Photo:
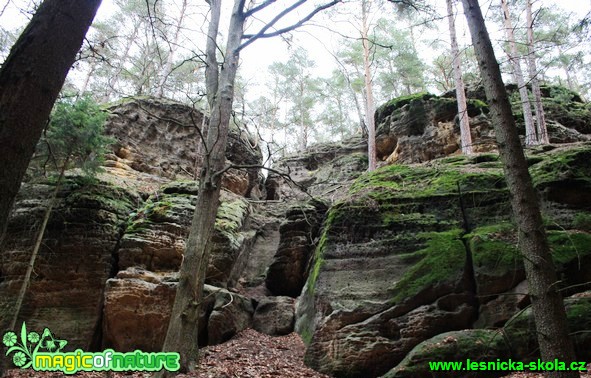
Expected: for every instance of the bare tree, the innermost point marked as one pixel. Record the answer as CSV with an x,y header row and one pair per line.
x,y
533,77
220,77
530,129
547,305
465,136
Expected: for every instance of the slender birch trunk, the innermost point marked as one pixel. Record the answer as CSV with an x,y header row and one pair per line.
x,y
465,136
531,137
369,107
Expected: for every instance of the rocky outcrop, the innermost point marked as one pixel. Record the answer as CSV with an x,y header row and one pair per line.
x,y
422,127
158,139
323,171
75,260
484,347
131,226
417,251
156,234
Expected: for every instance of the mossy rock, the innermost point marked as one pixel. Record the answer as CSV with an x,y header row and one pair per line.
x,y
477,345
398,181
498,263
565,165
440,264
521,333
397,103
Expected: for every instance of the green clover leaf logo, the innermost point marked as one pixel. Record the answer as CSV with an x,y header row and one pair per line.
x,y
19,359
9,339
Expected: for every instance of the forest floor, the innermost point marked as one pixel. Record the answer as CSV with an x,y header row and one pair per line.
x,y
248,355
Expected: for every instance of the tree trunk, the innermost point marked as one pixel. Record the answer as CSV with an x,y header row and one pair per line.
x,y
369,107
41,232
531,137
183,327
547,305
30,81
171,50
533,77
465,136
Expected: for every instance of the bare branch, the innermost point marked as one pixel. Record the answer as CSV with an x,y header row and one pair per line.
x,y
250,38
259,8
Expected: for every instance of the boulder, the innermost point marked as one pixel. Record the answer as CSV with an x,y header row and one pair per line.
x,y
137,300
480,346
274,316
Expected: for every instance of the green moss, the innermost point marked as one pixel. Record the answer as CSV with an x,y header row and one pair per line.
x,y
572,165
94,194
494,248
229,220
397,103
569,246
319,252
440,262
419,182
582,221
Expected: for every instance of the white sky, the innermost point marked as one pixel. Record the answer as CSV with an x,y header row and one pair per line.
x,y
260,54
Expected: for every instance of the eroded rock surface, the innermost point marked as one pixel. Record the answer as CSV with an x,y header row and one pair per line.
x,y
416,251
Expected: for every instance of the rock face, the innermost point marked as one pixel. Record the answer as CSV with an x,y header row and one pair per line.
x,y
161,139
75,259
416,251
106,270
288,271
422,127
324,171
137,300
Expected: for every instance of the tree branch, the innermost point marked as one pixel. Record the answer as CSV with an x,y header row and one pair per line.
x,y
258,8
250,38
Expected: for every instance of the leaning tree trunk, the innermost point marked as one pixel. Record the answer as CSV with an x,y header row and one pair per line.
x,y
465,136
30,81
548,308
369,102
182,331
533,77
531,137
36,247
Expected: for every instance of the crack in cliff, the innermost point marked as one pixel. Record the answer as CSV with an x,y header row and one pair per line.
x,y
469,276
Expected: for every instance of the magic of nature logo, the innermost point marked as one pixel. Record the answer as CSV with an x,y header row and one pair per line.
x,y
45,352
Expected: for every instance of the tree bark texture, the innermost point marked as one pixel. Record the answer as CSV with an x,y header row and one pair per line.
x,y
30,81
541,128
547,306
465,136
369,102
531,137
182,331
